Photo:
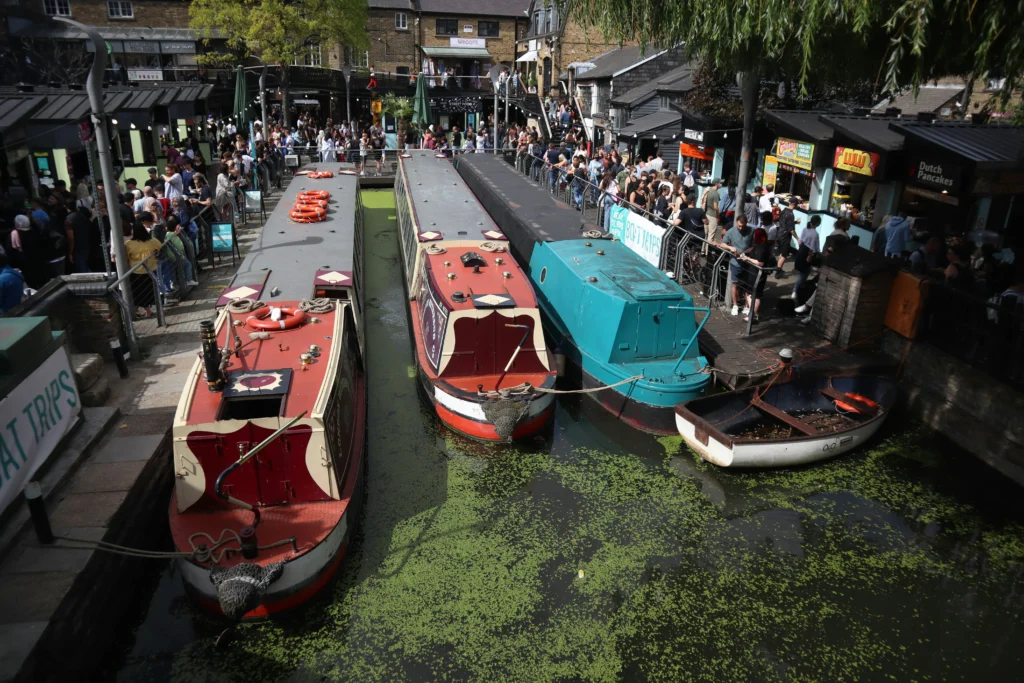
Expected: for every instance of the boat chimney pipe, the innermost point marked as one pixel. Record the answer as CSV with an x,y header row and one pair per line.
x,y
211,356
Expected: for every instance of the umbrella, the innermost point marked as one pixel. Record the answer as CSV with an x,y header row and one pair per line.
x,y
421,105
241,108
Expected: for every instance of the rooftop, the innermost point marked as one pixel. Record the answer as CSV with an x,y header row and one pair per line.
x,y
930,98
614,61
804,125
871,132
14,109
991,148
653,122
478,8
63,104
677,80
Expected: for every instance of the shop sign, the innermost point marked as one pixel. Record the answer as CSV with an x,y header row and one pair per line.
x,y
180,47
691,134
467,28
795,153
35,416
467,42
112,46
856,161
696,151
145,75
771,170
458,105
533,45
141,47
639,234
938,175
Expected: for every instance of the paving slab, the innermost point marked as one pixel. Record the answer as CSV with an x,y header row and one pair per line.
x,y
140,424
16,642
35,559
99,477
87,509
32,597
127,448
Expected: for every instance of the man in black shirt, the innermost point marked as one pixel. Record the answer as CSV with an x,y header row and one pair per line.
x,y
784,235
693,218
77,228
154,179
456,138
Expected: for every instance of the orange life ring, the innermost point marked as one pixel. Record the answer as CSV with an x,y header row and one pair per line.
x,y
291,318
307,203
314,194
319,174
863,399
311,214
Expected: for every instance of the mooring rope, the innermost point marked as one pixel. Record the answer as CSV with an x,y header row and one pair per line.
x,y
588,391
199,553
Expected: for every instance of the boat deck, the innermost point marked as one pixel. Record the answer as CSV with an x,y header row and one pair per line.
x,y
524,211
288,254
442,203
489,288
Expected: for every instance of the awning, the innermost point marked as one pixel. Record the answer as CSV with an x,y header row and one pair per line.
x,y
870,132
14,109
457,52
653,123
801,125
989,148
530,56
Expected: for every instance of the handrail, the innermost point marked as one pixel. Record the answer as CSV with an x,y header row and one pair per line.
x,y
695,309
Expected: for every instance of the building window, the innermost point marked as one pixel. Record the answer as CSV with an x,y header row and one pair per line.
x,y
363,59
311,57
401,21
402,70
488,29
120,9
57,8
447,27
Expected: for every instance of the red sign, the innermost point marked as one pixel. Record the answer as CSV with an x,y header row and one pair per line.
x,y
856,161
696,152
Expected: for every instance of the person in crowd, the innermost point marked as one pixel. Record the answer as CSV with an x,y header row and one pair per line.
x,y
766,202
760,256
187,175
925,259
142,248
663,205
693,218
727,207
709,202
154,178
807,253
12,285
609,197
958,273
27,251
77,230
739,240
784,235
224,196
162,200
769,227
839,238
898,236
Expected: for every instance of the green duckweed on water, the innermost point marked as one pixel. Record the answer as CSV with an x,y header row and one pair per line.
x,y
876,566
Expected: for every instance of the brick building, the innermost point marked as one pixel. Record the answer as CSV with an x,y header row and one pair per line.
x,y
555,43
392,27
469,38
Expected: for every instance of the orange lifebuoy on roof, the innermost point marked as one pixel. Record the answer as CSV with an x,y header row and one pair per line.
x,y
319,174
863,399
315,194
305,203
290,319
311,214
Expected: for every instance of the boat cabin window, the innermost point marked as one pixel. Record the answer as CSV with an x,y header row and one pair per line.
x,y
250,408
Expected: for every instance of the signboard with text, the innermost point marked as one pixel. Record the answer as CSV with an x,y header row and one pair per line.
x,y
937,175
35,416
639,234
856,161
692,151
795,153
771,170
467,42
145,75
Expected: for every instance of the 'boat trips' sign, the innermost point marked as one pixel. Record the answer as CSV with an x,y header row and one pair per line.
x,y
795,153
856,161
34,418
637,233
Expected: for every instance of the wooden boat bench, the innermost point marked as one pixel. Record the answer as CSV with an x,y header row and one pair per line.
x,y
794,422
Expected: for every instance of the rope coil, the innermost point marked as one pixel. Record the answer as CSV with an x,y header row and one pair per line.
x,y
320,305
492,247
239,306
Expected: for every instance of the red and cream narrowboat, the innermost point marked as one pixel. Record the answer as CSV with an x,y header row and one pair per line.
x,y
269,435
480,350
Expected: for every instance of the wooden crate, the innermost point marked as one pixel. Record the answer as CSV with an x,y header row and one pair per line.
x,y
852,300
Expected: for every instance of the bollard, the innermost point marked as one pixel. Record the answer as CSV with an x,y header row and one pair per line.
x,y
37,510
122,366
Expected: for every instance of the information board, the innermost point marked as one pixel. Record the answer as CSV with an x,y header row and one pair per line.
x,y
639,234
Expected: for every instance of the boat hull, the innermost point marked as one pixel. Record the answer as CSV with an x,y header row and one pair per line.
x,y
466,416
303,577
775,453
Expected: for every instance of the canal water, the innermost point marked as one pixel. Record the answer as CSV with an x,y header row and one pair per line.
x,y
601,554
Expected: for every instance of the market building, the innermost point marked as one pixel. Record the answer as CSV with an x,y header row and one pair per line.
x,y
392,27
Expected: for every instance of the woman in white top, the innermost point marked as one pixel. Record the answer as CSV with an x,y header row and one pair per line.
x,y
364,147
223,198
609,197
327,150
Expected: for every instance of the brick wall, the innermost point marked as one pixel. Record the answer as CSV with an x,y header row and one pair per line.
x,y
156,13
502,48
391,47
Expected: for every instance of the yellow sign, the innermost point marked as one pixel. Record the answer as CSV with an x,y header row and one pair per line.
x,y
856,161
795,153
771,170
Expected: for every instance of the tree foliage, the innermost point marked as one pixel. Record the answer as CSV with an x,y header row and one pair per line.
x,y
278,31
38,60
893,42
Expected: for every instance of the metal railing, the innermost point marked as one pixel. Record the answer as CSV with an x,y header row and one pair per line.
x,y
687,257
988,335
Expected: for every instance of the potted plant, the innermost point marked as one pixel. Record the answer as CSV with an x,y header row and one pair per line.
x,y
401,108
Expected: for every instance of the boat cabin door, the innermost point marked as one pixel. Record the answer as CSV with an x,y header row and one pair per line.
x,y
656,329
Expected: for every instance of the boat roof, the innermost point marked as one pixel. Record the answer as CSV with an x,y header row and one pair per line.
x,y
488,289
523,210
441,202
294,252
271,367
617,271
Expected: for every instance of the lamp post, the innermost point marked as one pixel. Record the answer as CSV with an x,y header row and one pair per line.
x,y
346,71
94,87
263,98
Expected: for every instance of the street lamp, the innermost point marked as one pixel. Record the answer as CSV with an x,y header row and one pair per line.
x,y
346,71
